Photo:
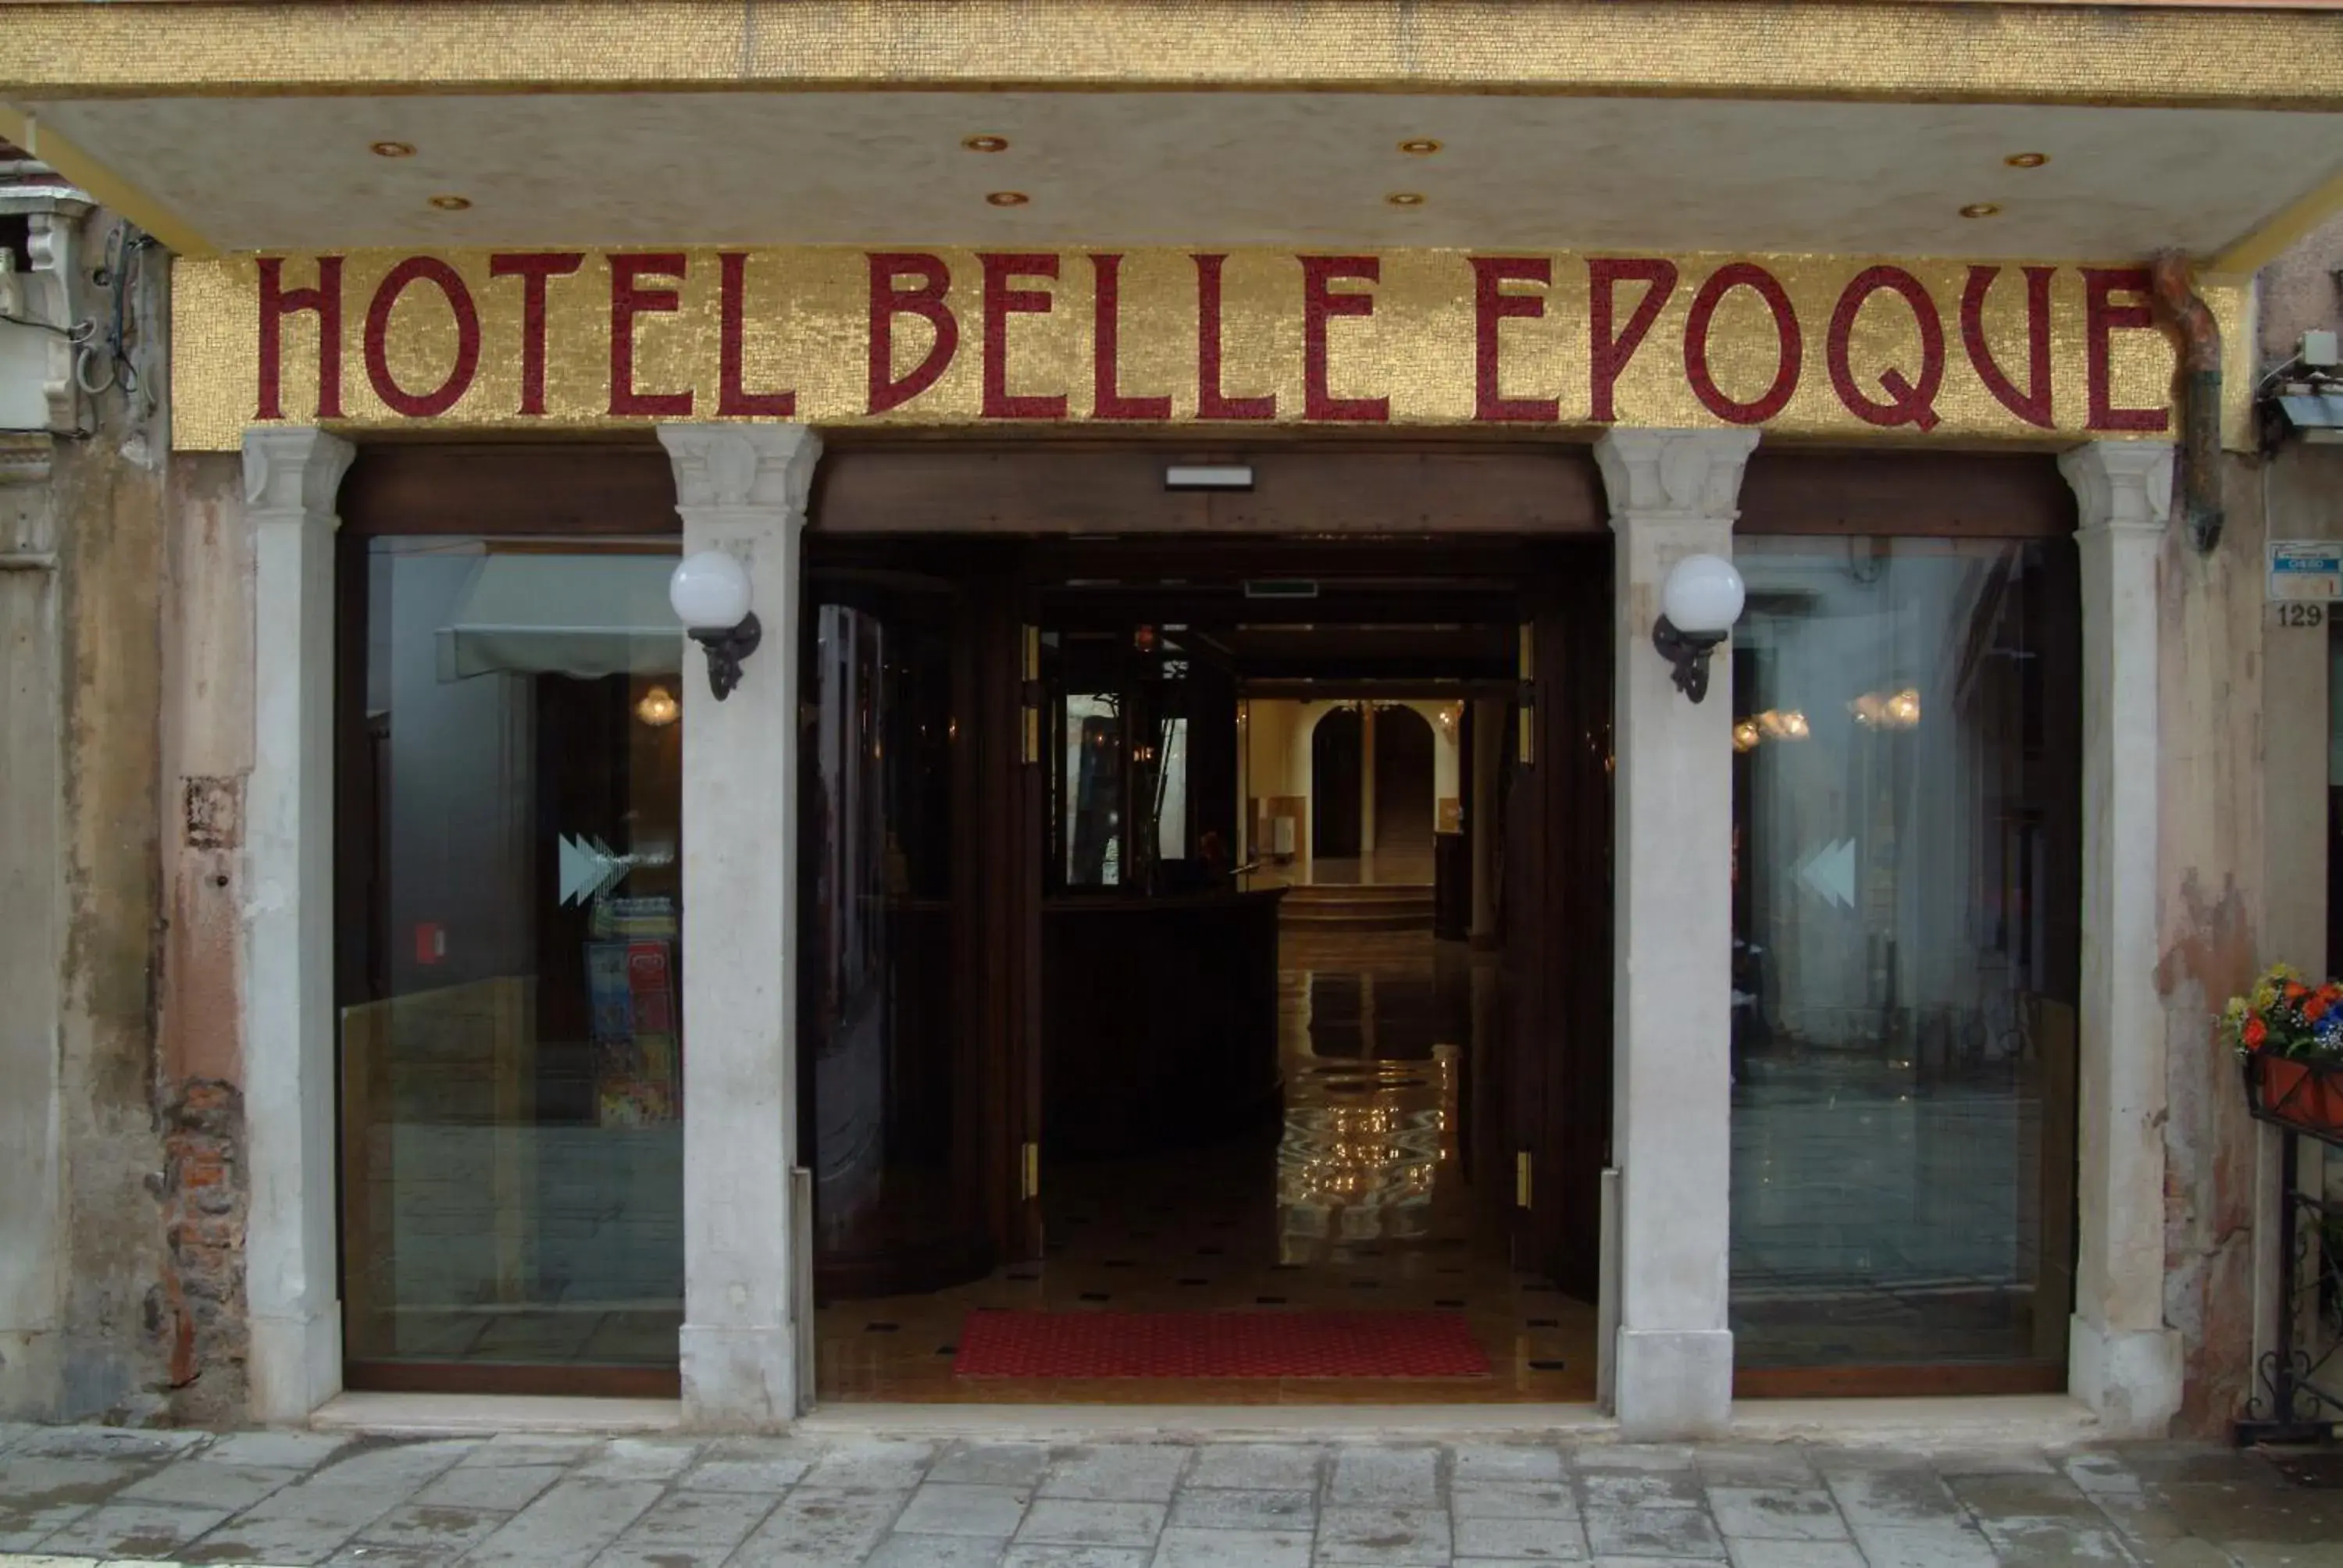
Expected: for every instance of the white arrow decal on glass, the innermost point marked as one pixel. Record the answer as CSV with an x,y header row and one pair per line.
x,y
589,868
1830,872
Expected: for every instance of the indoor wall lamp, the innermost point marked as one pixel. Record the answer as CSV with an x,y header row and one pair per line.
x,y
1698,605
709,592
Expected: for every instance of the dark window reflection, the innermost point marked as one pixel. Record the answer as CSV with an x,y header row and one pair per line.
x,y
1905,889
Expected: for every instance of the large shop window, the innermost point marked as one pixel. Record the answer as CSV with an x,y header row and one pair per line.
x,y
1905,904
512,1109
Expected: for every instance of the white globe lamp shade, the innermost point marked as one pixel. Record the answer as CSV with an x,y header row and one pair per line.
x,y
1702,596
709,592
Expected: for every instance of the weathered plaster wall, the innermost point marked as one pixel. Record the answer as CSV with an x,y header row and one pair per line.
x,y
108,493
2210,937
205,762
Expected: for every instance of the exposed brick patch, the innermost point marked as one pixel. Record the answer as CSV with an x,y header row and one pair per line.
x,y
204,1195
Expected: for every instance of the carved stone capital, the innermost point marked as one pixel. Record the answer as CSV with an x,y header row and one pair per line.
x,y
736,466
292,472
2120,486
1671,475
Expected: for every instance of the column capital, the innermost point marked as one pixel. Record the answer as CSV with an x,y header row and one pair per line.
x,y
2120,486
292,472
743,466
1668,476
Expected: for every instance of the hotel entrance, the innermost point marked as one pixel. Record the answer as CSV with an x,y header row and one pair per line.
x,y
1180,1014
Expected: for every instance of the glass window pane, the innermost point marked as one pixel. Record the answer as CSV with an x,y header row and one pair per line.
x,y
512,1062
1905,905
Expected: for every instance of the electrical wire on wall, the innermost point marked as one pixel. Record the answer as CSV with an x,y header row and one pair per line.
x,y
109,354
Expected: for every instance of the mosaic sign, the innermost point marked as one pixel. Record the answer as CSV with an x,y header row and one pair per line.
x,y
1801,345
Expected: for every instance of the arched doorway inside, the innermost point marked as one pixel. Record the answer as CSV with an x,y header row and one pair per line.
x,y
1337,758
1403,795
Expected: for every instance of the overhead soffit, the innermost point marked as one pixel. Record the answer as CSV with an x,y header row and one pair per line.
x,y
1850,125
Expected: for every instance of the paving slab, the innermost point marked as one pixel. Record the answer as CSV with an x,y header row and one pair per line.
x,y
817,1527
202,1482
1204,1508
419,1527
642,1459
1777,1513
709,1519
933,1552
1233,1549
1116,1472
1085,1522
1508,1462
962,1508
1059,1556
133,1530
1924,1546
1523,1540
1264,1466
883,1465
1511,1500
1385,1478
1647,1529
1747,1551
1384,1535
992,1463
572,1523
276,1450
500,1488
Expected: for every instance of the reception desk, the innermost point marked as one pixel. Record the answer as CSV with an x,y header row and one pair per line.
x,y
1159,1019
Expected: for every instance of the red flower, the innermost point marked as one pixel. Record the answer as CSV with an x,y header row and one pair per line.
x,y
2295,990
2256,1032
2314,1009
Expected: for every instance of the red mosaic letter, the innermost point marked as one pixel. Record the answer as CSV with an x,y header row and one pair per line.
x,y
1492,305
1107,401
1607,355
396,398
1907,403
926,301
1212,402
2102,317
1001,302
533,267
276,303
732,397
628,299
2033,405
1318,303
1746,274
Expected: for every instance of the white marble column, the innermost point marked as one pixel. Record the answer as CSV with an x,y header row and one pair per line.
x,y
2124,1361
741,488
1673,494
292,1287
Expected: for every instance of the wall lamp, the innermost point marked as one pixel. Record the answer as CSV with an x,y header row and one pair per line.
x,y
1698,605
709,592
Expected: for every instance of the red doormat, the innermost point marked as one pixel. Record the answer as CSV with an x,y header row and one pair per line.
x,y
1299,1344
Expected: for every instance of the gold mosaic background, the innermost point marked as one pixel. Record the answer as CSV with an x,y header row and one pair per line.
x,y
808,329
1823,48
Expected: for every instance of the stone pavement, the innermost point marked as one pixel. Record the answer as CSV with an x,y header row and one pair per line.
x,y
79,1496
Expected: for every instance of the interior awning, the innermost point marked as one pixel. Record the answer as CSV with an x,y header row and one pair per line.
x,y
579,616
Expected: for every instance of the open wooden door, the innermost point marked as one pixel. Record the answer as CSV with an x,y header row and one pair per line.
x,y
1557,903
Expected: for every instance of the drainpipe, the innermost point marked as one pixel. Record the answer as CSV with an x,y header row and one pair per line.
x,y
2199,395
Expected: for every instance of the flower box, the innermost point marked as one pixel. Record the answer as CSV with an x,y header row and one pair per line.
x,y
2288,1033
2303,1094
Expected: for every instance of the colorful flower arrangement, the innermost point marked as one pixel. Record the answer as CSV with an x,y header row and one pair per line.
x,y
2285,1016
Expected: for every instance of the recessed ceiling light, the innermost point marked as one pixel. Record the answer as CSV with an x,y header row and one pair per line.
x,y
986,143
1008,198
394,150
451,202
1419,146
2026,160
1405,198
1979,209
